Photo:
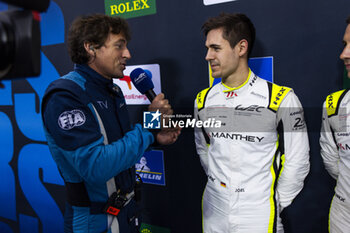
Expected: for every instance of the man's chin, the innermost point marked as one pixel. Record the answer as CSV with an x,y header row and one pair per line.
x,y
119,76
216,75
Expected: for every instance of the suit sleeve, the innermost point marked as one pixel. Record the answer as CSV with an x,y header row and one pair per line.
x,y
295,161
201,143
329,149
74,137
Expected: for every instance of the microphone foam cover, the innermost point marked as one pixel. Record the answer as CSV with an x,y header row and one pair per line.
x,y
141,80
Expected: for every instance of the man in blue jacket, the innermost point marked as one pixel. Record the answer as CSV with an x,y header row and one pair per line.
x,y
89,133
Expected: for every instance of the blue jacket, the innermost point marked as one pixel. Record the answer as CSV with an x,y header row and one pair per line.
x,y
94,145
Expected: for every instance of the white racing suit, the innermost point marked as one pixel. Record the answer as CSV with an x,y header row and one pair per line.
x,y
335,152
256,161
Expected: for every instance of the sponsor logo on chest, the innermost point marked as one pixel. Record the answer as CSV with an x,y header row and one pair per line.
x,y
251,108
103,104
258,95
235,136
230,95
343,146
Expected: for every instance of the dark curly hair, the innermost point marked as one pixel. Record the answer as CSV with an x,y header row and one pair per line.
x,y
93,29
235,28
348,20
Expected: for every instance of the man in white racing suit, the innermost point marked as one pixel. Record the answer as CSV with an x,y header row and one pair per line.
x,y
335,146
257,160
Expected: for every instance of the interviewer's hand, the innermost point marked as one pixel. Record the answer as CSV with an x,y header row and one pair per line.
x,y
2,85
161,104
168,136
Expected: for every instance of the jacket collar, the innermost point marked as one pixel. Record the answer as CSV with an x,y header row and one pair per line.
x,y
92,76
242,88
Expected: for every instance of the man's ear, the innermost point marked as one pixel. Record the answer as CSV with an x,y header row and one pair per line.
x,y
89,48
242,47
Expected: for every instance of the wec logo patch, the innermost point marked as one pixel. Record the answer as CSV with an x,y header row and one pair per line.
x,y
70,119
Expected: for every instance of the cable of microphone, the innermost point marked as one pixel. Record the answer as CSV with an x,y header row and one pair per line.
x,y
142,80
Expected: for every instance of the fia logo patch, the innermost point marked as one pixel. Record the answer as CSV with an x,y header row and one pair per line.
x,y
70,119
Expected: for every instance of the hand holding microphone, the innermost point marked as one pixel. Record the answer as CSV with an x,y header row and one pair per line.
x,y
142,80
161,104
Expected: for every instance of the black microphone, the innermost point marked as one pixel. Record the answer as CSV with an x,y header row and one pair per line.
x,y
142,80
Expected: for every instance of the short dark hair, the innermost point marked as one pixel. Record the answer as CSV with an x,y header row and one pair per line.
x,y
93,29
348,20
235,28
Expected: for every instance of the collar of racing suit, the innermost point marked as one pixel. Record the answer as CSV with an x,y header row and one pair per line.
x,y
92,76
240,88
